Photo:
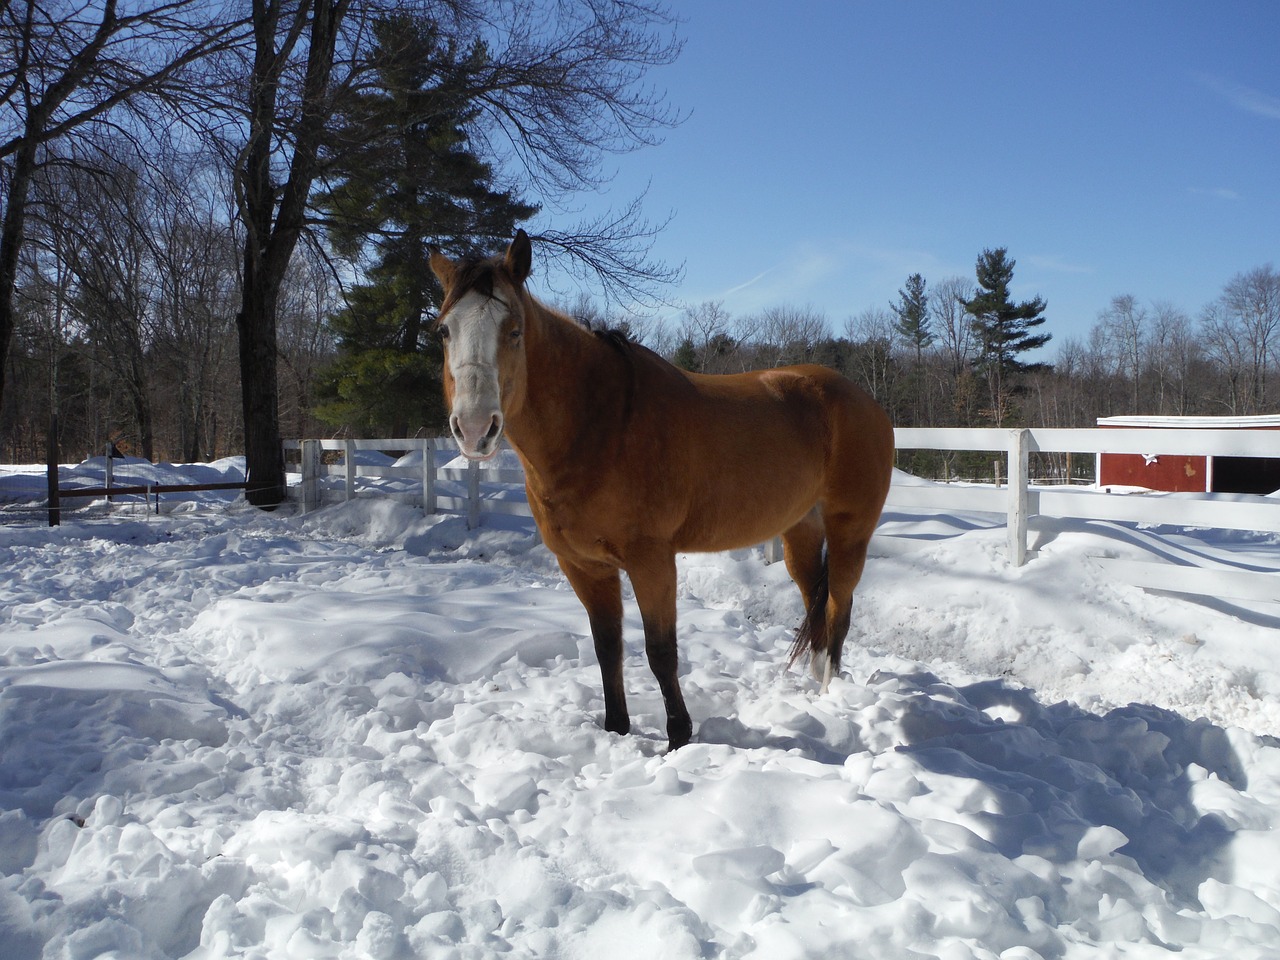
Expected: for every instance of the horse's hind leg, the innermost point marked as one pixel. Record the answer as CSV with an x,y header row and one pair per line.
x,y
847,545
802,550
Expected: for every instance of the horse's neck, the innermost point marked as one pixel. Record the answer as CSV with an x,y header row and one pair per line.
x,y
575,397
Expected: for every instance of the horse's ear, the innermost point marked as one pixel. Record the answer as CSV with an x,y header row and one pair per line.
x,y
443,268
519,258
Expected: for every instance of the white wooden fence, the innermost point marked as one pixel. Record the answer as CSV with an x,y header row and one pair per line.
x,y
1022,503
470,491
474,491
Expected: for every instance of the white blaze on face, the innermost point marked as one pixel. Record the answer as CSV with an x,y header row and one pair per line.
x,y
475,327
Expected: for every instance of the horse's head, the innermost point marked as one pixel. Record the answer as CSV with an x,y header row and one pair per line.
x,y
482,323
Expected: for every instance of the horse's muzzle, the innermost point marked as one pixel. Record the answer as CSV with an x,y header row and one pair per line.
x,y
477,435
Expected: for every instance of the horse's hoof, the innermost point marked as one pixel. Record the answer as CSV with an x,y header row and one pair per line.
x,y
679,735
622,727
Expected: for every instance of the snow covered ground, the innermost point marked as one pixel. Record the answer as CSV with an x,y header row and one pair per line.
x,y
363,733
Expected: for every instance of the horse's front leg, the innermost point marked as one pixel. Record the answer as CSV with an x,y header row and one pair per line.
x,y
600,590
652,570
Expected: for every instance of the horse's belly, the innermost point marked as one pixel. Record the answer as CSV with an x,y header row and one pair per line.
x,y
731,522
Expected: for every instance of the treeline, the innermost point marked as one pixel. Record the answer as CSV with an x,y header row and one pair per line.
x,y
140,344
939,354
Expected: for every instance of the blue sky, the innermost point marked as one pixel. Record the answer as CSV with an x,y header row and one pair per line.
x,y
833,148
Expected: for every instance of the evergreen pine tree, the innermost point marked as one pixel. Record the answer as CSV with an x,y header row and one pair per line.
x,y
411,184
912,324
1003,328
912,311
686,355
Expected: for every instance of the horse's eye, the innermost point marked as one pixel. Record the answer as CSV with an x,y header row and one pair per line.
x,y
444,331
515,334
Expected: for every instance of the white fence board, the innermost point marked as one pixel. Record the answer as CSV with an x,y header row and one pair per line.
x,y
949,496
1178,578
1258,514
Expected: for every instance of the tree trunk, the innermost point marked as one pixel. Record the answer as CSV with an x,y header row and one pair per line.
x,y
11,236
273,222
264,456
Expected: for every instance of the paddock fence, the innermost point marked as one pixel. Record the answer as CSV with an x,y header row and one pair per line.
x,y
111,491
411,469
1025,506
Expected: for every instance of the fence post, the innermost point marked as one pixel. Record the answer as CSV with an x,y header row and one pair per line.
x,y
310,467
349,460
1019,448
428,476
110,474
473,494
52,457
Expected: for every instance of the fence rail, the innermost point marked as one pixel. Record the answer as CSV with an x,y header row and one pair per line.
x,y
474,491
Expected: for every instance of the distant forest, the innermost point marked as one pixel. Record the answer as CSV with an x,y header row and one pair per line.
x,y
216,220
166,376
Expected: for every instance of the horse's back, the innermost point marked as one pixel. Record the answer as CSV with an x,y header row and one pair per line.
x,y
811,403
758,450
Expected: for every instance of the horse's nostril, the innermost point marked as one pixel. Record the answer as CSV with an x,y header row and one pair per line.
x,y
495,427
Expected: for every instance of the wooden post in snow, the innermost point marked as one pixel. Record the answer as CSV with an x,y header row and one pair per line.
x,y
52,457
428,476
109,474
349,461
473,494
310,475
1019,448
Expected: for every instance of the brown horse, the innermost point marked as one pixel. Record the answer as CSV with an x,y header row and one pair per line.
x,y
630,460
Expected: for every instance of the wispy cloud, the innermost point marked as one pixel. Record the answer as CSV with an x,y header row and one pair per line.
x,y
838,275
748,283
1217,193
1242,97
1054,264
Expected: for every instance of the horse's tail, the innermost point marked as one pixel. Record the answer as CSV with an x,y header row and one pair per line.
x,y
811,637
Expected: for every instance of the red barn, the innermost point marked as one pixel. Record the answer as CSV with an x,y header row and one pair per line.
x,y
1191,474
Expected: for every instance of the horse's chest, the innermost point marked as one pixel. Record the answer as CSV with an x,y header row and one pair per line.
x,y
580,527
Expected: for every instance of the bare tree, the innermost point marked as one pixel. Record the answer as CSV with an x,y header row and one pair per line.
x,y
1172,352
67,68
784,335
874,338
951,323
194,254
116,283
704,331
1250,303
308,295
563,88
1123,325
1227,348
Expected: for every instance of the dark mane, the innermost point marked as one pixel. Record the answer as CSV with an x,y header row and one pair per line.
x,y
618,339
